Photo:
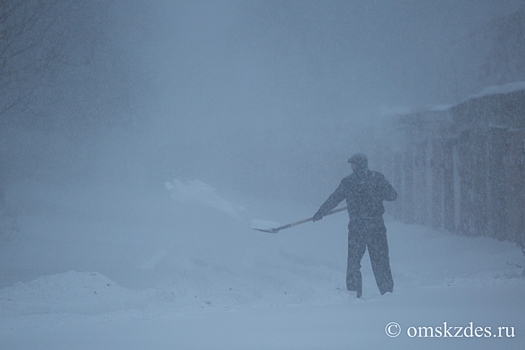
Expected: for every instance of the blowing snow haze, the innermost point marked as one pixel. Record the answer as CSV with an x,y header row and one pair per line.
x,y
140,139
261,96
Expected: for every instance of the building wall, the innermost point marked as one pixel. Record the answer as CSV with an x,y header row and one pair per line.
x,y
463,169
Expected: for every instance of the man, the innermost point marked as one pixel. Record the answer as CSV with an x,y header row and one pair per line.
x,y
364,191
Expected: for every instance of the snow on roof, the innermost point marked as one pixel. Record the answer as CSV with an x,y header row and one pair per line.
x,y
490,90
500,89
395,111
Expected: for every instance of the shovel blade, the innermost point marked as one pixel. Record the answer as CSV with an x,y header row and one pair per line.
x,y
265,226
273,230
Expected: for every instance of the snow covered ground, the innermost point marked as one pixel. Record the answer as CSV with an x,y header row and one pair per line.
x,y
180,268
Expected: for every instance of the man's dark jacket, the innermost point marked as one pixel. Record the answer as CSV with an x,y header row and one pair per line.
x,y
364,192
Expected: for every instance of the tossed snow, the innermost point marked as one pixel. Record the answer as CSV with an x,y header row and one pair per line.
x,y
200,192
135,270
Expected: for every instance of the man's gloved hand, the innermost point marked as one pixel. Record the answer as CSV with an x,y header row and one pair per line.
x,y
318,216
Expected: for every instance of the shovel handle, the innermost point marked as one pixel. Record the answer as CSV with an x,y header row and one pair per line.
x,y
275,230
311,219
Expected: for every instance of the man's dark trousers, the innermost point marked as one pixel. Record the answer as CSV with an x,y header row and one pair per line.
x,y
368,233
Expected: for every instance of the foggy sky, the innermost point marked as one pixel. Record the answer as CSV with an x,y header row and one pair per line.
x,y
231,64
271,90
265,95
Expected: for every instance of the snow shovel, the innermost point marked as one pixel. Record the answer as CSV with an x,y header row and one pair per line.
x,y
266,226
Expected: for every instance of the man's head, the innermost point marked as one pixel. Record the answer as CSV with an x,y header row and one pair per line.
x,y
359,162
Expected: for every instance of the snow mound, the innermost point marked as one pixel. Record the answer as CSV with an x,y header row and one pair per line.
x,y
199,192
70,292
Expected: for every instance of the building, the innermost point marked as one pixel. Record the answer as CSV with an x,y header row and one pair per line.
x,y
462,167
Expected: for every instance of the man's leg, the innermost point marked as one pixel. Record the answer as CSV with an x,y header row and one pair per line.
x,y
356,250
379,257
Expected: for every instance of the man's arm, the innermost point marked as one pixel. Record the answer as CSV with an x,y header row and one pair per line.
x,y
333,200
389,194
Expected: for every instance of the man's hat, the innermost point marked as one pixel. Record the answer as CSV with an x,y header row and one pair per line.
x,y
360,160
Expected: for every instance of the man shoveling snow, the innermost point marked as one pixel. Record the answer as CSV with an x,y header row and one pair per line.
x,y
364,191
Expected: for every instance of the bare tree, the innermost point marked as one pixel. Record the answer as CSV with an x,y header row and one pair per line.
x,y
495,52
26,50
492,54
503,42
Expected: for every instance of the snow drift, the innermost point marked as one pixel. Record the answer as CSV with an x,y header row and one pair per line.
x,y
125,256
